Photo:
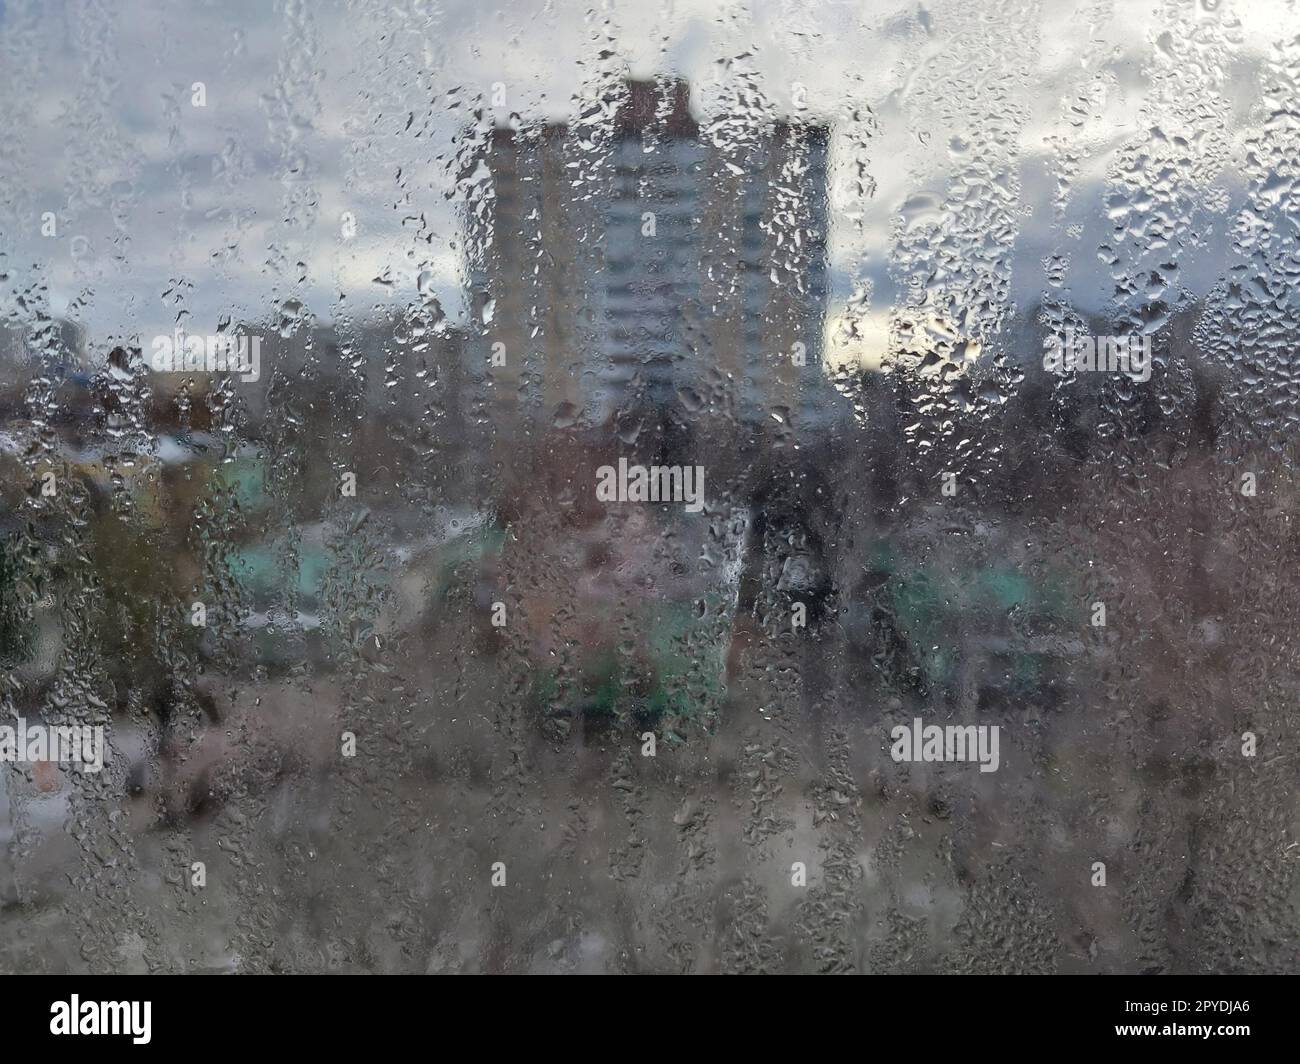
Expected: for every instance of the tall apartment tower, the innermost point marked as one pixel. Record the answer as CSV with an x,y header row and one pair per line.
x,y
641,260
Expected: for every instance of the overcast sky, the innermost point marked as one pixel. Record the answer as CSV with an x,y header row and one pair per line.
x,y
319,109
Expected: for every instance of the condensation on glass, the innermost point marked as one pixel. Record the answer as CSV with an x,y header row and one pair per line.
x,y
759,487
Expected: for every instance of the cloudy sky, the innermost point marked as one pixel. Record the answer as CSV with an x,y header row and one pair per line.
x,y
1000,149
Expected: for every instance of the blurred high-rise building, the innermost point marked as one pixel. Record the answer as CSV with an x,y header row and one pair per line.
x,y
641,259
